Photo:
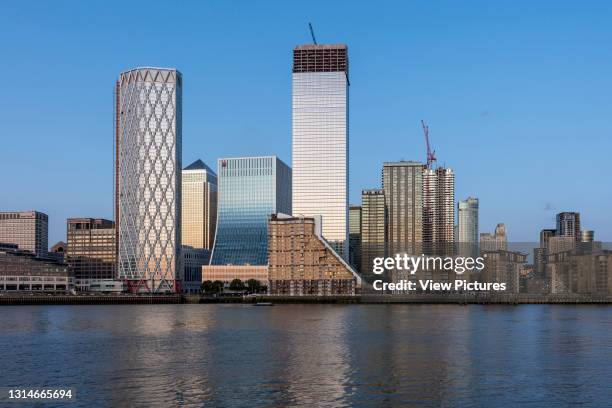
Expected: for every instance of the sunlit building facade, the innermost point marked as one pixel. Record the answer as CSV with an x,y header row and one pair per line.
x,y
321,139
403,194
250,190
91,251
373,229
438,211
467,229
199,205
148,178
29,230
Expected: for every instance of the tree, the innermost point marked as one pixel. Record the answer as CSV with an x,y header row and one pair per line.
x,y
253,286
236,285
207,286
212,287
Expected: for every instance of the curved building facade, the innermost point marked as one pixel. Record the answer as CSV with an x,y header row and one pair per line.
x,y
148,178
250,189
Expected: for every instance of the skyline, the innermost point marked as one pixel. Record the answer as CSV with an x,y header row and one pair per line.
x,y
551,104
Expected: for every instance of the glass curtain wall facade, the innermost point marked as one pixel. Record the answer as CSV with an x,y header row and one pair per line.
x,y
250,190
467,227
148,178
199,206
321,139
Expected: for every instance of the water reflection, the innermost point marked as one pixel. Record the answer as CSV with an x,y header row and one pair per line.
x,y
312,355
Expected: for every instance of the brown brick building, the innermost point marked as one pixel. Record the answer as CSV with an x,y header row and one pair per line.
x,y
301,261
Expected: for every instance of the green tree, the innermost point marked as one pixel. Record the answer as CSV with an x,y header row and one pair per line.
x,y
218,286
207,286
253,286
236,284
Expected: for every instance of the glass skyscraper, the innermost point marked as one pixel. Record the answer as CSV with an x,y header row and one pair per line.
x,y
250,190
148,178
467,227
320,139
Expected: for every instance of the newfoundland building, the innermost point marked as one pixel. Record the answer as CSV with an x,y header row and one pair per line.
x,y
302,262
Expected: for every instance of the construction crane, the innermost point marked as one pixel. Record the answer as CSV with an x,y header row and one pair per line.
x,y
314,40
431,154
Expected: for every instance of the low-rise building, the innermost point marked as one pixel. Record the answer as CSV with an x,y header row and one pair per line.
x,y
193,260
23,271
503,267
227,273
580,271
302,262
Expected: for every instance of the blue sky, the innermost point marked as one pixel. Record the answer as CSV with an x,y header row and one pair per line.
x,y
517,95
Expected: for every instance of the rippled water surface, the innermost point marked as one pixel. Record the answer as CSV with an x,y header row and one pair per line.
x,y
312,355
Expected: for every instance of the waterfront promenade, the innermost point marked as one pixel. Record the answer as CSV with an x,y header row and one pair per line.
x,y
421,298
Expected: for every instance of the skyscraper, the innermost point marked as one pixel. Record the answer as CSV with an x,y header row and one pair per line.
x,y
29,230
373,229
199,206
355,236
568,224
467,231
148,178
321,138
438,210
403,195
250,190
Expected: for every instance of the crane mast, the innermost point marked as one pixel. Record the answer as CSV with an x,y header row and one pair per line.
x,y
431,154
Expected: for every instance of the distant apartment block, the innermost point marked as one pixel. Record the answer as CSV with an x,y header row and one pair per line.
x,y
502,266
355,236
467,227
496,241
199,206
302,262
91,251
439,210
568,224
403,194
29,230
373,229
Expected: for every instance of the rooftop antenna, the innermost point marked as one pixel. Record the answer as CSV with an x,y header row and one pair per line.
x,y
314,40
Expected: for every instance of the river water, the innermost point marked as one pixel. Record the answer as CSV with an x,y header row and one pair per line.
x,y
312,355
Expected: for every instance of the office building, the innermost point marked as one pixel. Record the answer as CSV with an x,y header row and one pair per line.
x,y
568,224
148,178
373,229
467,227
496,241
250,190
199,206
91,251
355,236
227,273
403,194
438,211
23,271
193,260
29,230
302,262
321,139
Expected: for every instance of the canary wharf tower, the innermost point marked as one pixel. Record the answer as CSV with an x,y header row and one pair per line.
x,y
148,178
320,139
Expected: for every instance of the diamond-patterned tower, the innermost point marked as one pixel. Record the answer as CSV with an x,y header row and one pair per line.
x,y
148,178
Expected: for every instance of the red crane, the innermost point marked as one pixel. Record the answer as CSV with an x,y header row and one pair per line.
x,y
431,154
